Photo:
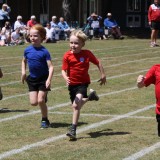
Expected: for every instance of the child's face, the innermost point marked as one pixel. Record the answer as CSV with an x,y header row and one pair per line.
x,y
76,44
35,37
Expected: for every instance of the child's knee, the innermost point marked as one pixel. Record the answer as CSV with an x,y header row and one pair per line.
x,y
41,101
34,103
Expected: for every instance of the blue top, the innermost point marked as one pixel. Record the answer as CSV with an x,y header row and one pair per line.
x,y
37,60
4,15
109,22
63,25
54,25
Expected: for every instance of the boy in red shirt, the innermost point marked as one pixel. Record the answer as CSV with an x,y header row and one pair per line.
x,y
154,21
152,77
75,72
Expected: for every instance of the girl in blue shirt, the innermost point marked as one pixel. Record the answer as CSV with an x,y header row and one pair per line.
x,y
41,71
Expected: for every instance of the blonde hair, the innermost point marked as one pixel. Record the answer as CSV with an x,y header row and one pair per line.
x,y
41,30
79,34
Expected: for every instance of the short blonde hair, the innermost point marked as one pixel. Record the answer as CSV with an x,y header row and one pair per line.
x,y
41,30
79,34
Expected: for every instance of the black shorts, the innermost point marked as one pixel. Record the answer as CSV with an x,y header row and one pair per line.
x,y
37,84
75,89
158,117
155,25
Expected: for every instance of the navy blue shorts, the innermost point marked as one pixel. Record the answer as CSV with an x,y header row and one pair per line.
x,y
75,89
37,84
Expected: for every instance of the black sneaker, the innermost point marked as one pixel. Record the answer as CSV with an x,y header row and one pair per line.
x,y
93,96
45,124
71,134
1,95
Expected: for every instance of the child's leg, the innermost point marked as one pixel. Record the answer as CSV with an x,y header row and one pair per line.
x,y
77,104
42,103
33,96
158,121
44,110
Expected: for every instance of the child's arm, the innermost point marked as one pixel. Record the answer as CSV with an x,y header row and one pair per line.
x,y
140,81
103,76
64,74
51,71
1,73
23,76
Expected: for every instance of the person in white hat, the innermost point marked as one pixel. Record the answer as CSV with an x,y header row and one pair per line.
x,y
113,27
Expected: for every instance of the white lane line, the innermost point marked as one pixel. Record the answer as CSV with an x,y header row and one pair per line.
x,y
143,152
114,65
116,76
62,105
100,115
83,129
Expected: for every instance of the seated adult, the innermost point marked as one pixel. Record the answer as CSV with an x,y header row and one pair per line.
x,y
49,33
94,22
6,34
23,28
54,25
4,14
65,29
112,25
16,37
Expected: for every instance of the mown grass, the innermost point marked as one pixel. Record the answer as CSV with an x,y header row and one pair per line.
x,y
123,61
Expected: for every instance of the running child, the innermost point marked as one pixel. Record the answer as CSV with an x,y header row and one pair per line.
x,y
75,72
40,71
152,77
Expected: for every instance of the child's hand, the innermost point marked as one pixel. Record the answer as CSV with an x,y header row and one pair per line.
x,y
140,81
23,78
102,80
67,80
48,83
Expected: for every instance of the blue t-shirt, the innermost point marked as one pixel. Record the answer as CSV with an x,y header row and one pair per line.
x,y
37,61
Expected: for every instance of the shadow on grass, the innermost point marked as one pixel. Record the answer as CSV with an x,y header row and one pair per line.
x,y
59,125
6,110
108,132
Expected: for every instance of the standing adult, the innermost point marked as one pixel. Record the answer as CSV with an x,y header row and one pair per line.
x,y
4,14
154,21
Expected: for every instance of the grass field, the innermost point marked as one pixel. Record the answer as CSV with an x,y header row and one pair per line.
x,y
121,125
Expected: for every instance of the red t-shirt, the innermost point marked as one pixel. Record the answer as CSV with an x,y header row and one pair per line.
x,y
153,77
77,66
31,23
154,13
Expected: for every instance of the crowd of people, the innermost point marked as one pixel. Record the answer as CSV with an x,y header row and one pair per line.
x,y
18,32
97,27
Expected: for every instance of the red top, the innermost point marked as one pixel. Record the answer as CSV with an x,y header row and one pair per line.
x,y
31,23
77,66
154,13
153,77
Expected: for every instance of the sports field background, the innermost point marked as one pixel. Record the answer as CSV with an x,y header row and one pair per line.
x,y
121,125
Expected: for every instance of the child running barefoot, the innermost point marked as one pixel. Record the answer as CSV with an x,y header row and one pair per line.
x,y
41,71
152,77
75,72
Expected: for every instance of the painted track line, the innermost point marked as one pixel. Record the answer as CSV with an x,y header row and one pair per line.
x,y
53,139
62,105
143,152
